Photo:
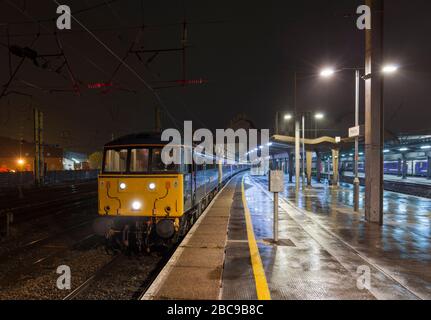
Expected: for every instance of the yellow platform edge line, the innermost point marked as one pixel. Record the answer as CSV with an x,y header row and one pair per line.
x,y
262,288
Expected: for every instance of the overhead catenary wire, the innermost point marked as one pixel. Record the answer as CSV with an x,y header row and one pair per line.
x,y
113,29
87,30
156,95
54,34
15,72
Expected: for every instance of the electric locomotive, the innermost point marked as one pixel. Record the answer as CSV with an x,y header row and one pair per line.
x,y
143,202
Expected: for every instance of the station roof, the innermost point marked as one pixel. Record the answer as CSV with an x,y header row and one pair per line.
x,y
403,144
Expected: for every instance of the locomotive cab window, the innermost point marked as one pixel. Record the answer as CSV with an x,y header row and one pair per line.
x,y
139,160
115,161
157,164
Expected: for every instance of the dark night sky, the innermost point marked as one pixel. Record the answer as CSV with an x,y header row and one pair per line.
x,y
248,57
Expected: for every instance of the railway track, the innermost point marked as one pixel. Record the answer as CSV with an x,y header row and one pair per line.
x,y
55,207
41,241
107,282
14,275
122,278
37,278
38,227
95,274
81,289
35,218
29,206
33,197
61,227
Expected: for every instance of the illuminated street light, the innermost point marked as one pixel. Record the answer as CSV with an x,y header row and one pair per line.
x,y
288,117
403,149
386,151
426,147
20,162
390,68
327,72
319,116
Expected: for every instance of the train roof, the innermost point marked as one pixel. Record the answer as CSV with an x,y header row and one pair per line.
x,y
137,139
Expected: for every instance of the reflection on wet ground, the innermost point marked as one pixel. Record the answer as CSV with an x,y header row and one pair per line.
x,y
399,251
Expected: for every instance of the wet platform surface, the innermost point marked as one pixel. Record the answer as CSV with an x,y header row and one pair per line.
x,y
326,251
195,270
296,268
399,252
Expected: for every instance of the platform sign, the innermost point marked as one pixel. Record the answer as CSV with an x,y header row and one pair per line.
x,y
276,185
276,181
356,132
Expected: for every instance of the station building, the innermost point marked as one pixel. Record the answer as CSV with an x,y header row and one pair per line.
x,y
16,155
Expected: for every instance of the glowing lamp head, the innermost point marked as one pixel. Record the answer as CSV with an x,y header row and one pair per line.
x,y
390,68
328,72
152,186
288,117
136,205
319,116
123,186
20,162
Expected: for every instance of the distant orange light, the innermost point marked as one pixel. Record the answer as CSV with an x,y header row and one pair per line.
x,y
20,161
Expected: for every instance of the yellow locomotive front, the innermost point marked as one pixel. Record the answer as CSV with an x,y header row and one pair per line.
x,y
140,198
158,196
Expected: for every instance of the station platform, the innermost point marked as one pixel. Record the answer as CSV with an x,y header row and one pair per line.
x,y
325,250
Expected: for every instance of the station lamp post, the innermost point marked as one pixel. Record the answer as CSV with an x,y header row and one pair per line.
x,y
317,117
288,117
326,73
284,117
21,163
329,72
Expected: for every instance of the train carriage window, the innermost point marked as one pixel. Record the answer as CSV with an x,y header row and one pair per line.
x,y
139,160
116,161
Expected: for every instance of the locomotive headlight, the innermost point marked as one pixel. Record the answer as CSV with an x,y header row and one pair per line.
x,y
136,205
123,186
152,186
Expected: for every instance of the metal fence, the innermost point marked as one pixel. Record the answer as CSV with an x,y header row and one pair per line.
x,y
8,180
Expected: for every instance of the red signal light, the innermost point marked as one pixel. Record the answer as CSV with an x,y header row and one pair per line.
x,y
99,85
